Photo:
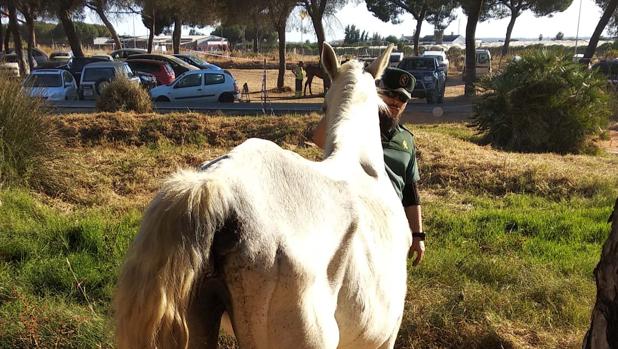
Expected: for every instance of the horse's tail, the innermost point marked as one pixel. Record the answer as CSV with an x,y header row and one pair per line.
x,y
167,257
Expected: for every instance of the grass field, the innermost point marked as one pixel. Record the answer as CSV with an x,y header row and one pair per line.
x,y
513,238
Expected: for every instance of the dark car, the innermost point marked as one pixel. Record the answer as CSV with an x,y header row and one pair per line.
x,y
76,64
196,61
38,55
430,78
610,70
177,64
127,52
162,71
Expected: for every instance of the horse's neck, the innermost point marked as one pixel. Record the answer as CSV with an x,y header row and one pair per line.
x,y
354,141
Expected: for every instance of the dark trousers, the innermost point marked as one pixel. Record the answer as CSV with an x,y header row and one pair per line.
x,y
299,88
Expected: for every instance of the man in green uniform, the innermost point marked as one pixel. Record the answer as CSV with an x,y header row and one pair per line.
x,y
299,73
395,89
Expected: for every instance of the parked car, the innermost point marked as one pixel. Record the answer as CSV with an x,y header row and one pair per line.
x,y
178,65
39,55
199,85
162,71
196,61
395,59
95,76
51,84
146,80
104,57
9,64
76,64
127,52
441,57
610,70
61,55
430,78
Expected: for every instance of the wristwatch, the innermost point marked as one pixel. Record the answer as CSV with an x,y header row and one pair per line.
x,y
420,235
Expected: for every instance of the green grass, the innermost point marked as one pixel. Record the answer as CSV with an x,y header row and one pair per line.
x,y
507,265
58,271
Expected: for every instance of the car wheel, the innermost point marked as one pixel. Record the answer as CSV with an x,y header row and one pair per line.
x,y
101,85
226,97
162,99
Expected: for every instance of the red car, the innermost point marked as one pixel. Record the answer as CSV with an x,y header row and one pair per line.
x,y
161,70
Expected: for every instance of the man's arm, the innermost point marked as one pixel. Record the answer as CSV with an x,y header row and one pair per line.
x,y
415,220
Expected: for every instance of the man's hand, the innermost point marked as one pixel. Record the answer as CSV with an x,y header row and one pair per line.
x,y
418,247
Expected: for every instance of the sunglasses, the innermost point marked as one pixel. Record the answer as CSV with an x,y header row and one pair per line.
x,y
394,94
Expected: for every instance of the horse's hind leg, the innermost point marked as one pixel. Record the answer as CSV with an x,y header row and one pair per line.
x,y
205,311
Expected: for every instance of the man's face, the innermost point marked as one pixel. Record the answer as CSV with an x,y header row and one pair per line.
x,y
395,105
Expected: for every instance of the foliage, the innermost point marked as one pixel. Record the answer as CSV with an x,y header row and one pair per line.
x,y
27,140
560,36
87,32
542,103
122,95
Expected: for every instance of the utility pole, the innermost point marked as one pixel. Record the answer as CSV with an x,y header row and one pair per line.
x,y
577,32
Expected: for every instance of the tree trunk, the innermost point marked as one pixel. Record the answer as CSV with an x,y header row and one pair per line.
x,y
594,39
30,27
1,29
281,75
7,38
470,76
152,31
109,26
177,35
509,31
603,332
417,35
13,27
72,36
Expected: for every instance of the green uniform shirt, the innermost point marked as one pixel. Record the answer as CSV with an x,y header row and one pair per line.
x,y
300,74
400,161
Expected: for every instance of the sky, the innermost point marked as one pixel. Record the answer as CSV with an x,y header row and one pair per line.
x,y
527,25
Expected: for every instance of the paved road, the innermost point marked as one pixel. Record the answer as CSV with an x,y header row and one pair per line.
x,y
418,113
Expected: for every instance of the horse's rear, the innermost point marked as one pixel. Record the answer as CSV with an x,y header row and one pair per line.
x,y
300,254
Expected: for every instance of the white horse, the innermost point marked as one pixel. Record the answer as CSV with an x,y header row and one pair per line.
x,y
300,254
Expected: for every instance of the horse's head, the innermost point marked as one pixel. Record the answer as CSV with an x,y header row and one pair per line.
x,y
351,108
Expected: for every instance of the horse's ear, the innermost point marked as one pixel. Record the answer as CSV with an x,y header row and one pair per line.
x,y
329,60
376,68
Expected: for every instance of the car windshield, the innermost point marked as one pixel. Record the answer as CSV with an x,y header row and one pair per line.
x,y
418,64
197,60
96,74
43,80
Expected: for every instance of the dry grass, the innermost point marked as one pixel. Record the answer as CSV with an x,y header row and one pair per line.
x,y
121,158
449,163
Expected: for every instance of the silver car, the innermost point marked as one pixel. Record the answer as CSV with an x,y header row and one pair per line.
x,y
95,76
51,84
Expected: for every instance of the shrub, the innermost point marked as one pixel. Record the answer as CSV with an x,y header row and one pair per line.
x,y
122,95
542,103
27,139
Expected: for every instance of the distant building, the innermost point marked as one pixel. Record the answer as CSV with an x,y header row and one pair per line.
x,y
164,43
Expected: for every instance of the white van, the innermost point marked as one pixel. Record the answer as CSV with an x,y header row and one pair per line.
x,y
483,62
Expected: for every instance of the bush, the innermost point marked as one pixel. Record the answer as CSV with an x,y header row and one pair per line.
x,y
27,139
542,103
122,95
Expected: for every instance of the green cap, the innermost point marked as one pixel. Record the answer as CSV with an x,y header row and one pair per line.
x,y
398,80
